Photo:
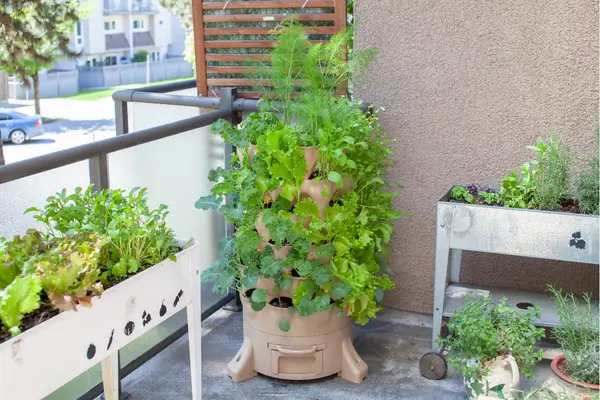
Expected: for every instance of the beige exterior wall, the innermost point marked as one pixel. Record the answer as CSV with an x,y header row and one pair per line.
x,y
466,86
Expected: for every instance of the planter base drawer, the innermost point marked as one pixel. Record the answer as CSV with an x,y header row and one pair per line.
x,y
297,362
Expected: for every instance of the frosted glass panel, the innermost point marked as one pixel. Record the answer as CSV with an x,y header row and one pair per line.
x,y
17,196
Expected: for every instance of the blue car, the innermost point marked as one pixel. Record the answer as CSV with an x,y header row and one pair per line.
x,y
17,128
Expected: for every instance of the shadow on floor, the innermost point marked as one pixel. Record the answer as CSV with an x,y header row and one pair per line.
x,y
391,345
390,348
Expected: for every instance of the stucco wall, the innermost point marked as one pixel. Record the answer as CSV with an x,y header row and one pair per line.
x,y
467,85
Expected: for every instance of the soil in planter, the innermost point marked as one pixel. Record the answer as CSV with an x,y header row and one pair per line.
x,y
294,274
282,302
567,205
46,311
285,243
336,202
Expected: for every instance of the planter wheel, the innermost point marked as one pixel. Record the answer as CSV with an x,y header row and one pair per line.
x,y
433,365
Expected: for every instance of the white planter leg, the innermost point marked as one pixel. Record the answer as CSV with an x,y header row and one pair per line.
x,y
194,317
110,377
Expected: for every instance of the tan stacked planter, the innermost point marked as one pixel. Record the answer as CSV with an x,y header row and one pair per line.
x,y
316,346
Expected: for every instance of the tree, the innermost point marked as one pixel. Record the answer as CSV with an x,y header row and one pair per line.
x,y
34,33
183,8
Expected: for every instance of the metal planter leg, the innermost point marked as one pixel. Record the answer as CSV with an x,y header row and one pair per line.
x,y
442,253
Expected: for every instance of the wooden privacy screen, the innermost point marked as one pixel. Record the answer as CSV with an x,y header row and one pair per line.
x,y
231,36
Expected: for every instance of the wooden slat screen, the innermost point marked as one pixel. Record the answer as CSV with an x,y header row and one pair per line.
x,y
231,35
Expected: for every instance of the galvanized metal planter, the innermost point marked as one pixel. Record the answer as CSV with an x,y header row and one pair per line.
x,y
520,232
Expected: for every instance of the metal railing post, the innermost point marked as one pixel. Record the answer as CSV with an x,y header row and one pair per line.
x,y
99,172
228,96
121,117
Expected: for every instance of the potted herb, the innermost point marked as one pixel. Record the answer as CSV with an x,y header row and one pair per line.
x,y
313,215
578,369
491,343
105,269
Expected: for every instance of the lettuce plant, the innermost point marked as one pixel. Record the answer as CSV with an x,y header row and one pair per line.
x,y
92,239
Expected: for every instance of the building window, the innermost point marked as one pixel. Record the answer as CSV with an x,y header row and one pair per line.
x,y
110,60
110,26
138,24
78,33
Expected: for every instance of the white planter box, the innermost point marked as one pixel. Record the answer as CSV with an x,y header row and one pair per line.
x,y
42,359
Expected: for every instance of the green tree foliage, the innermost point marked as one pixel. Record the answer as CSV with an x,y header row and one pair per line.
x,y
34,33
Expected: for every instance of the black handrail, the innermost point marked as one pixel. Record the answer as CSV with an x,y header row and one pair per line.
x,y
47,162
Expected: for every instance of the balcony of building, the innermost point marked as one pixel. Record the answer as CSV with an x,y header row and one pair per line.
x,y
123,7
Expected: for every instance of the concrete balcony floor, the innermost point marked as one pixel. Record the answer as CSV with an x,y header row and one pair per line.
x,y
391,345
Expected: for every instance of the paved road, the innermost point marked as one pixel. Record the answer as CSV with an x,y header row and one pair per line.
x,y
74,123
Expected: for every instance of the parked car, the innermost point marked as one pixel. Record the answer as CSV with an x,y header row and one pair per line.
x,y
17,128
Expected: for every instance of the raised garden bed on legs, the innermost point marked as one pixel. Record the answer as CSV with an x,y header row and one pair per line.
x,y
520,232
42,359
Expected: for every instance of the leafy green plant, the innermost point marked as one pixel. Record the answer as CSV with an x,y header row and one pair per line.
x,y
69,272
461,193
552,181
136,236
518,191
16,255
140,56
588,188
20,297
577,335
587,184
91,239
482,330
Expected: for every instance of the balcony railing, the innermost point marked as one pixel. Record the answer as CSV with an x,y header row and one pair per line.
x,y
116,6
122,6
168,152
143,6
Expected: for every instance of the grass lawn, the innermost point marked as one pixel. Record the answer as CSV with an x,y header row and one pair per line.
x,y
95,94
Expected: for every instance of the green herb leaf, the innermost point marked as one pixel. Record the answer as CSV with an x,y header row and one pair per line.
x,y
341,290
259,296
22,296
336,178
284,324
286,284
209,202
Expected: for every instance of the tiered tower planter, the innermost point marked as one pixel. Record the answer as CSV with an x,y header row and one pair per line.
x,y
315,346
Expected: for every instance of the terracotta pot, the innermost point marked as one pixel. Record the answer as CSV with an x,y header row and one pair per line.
x,y
502,371
249,152
312,255
281,253
316,346
569,385
269,284
348,185
262,229
314,190
311,156
305,223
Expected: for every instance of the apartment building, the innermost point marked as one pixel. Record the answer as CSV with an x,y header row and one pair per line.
x,y
117,29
